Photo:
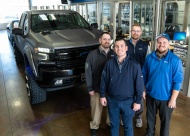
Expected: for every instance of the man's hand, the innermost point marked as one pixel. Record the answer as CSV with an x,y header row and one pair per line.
x,y
103,101
92,92
172,103
144,95
136,106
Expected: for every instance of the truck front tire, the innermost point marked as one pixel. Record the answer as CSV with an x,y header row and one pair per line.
x,y
35,93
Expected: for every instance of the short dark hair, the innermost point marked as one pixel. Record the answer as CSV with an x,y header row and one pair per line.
x,y
120,39
105,33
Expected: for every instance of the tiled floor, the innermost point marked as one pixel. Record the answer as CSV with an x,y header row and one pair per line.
x,y
64,113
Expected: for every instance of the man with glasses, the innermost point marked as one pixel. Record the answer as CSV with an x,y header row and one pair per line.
x,y
138,50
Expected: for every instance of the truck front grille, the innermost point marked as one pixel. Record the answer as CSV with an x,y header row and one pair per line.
x,y
71,64
72,57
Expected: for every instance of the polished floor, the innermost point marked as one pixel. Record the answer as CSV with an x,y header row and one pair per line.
x,y
64,113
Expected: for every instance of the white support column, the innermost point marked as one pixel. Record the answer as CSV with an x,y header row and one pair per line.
x,y
131,16
157,17
114,20
186,81
186,16
98,12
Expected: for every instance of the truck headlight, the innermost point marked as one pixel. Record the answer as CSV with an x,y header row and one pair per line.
x,y
42,56
43,50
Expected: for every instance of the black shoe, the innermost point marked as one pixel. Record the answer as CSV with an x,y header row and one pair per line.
x,y
93,132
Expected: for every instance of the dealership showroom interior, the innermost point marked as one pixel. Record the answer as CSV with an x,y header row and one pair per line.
x,y
43,52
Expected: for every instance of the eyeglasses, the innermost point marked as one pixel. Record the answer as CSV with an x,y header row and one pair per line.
x,y
135,31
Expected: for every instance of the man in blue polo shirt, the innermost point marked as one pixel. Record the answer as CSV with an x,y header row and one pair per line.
x,y
163,75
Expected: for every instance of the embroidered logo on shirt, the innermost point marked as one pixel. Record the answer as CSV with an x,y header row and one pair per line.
x,y
165,62
140,49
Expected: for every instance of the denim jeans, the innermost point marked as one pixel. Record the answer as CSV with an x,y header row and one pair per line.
x,y
117,108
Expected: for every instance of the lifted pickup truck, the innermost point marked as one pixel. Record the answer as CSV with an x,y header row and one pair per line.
x,y
53,44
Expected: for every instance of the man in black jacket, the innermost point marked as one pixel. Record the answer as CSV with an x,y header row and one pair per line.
x,y
121,88
138,50
93,70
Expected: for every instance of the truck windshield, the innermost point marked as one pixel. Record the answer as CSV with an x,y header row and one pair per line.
x,y
57,21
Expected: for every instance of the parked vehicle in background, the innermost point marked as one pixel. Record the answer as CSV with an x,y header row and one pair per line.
x,y
10,26
54,45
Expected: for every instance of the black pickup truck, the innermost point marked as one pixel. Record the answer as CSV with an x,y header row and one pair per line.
x,y
53,45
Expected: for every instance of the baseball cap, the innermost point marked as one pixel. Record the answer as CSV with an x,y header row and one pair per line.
x,y
164,35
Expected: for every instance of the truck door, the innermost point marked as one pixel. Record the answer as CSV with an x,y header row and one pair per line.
x,y
20,38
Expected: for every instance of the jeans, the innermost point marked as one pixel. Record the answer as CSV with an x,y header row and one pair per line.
x,y
117,108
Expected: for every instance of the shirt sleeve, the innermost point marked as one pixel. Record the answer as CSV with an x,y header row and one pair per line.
x,y
139,85
177,75
103,84
88,73
144,72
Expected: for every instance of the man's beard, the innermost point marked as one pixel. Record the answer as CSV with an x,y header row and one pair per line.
x,y
161,52
135,38
106,46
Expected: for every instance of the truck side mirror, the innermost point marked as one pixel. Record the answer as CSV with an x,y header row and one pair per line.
x,y
17,31
94,25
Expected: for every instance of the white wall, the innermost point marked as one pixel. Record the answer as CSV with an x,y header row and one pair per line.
x,y
45,2
11,9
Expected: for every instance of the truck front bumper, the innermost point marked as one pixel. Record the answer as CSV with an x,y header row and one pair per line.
x,y
52,79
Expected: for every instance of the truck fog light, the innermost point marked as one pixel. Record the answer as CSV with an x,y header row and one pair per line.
x,y
58,82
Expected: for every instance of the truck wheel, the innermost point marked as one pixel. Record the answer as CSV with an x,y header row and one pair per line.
x,y
18,55
35,93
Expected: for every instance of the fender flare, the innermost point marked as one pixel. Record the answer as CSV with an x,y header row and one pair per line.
x,y
29,60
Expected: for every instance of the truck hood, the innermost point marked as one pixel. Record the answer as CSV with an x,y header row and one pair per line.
x,y
68,38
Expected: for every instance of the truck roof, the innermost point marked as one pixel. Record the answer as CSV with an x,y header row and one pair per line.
x,y
49,11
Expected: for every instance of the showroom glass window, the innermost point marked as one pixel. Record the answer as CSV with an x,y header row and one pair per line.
x,y
12,9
